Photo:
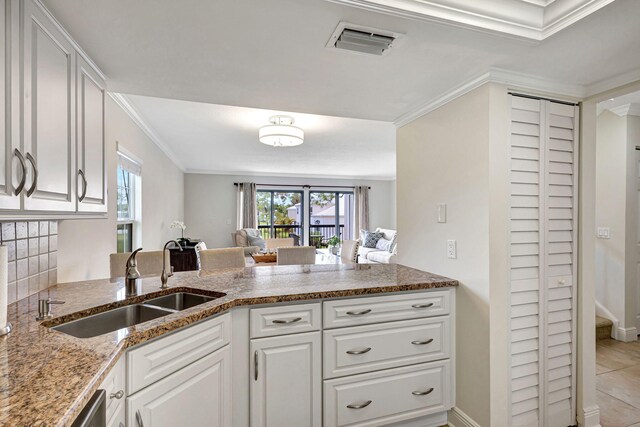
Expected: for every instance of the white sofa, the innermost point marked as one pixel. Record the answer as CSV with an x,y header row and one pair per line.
x,y
377,256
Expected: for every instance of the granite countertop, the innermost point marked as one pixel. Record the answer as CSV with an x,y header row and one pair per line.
x,y
48,376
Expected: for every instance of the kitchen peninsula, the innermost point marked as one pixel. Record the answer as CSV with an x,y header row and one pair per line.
x,y
253,309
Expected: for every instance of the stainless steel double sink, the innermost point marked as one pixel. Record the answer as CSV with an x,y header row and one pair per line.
x,y
129,315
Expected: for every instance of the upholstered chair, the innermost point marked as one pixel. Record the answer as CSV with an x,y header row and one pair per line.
x,y
296,255
214,259
349,251
279,243
149,263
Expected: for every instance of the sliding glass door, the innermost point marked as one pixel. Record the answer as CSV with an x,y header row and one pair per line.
x,y
280,213
330,214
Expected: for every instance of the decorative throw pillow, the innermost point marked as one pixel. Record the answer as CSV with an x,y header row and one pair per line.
x,y
370,238
392,244
383,244
253,232
257,241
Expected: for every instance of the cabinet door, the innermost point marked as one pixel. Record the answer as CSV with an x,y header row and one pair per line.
x,y
198,395
286,383
49,113
91,171
10,136
118,419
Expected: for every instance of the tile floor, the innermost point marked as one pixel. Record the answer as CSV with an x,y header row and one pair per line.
x,y
618,383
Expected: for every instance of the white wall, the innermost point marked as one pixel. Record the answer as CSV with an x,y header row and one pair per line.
x,y
210,203
443,157
616,202
84,245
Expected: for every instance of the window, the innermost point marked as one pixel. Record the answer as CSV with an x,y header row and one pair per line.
x,y
280,213
127,200
330,214
319,215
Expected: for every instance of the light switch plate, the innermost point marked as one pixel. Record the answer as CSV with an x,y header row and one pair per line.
x,y
442,212
603,233
452,250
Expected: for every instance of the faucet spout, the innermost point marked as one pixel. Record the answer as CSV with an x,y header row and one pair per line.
x,y
164,277
132,274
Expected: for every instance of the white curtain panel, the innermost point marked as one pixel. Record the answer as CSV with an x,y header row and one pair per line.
x,y
361,210
246,205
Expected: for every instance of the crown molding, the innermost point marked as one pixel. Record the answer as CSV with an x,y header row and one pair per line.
x,y
626,110
443,99
289,175
613,83
513,80
75,45
526,19
578,11
123,102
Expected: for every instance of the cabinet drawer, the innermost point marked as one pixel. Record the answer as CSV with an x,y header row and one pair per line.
x,y
288,319
368,348
114,385
361,311
153,361
388,396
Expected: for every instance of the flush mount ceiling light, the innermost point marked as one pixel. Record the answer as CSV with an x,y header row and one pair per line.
x,y
281,132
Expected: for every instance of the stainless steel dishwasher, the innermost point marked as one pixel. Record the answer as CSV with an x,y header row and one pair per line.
x,y
94,413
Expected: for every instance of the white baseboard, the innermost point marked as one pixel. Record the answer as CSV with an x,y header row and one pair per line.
x,y
457,418
625,334
433,420
590,417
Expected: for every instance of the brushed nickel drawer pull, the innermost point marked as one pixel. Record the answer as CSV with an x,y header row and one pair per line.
x,y
255,366
287,321
117,395
366,350
84,185
429,341
359,313
35,174
430,304
23,165
360,406
139,419
422,393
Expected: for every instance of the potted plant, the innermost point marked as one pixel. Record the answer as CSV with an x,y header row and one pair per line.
x,y
182,227
333,243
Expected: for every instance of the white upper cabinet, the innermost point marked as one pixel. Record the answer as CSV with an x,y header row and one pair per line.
x,y
49,115
8,198
91,175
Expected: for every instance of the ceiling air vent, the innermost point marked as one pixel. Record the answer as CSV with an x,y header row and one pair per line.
x,y
361,39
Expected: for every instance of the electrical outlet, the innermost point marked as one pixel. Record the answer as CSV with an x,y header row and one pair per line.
x,y
442,212
452,250
603,233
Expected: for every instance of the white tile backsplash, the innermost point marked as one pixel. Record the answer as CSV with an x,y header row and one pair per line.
x,y
33,256
21,230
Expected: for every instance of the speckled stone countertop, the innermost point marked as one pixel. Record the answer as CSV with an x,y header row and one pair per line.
x,y
48,376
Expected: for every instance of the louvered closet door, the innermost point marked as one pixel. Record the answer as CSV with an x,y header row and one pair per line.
x,y
543,150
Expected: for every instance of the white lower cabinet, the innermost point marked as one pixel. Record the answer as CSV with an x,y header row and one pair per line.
x,y
363,373
195,396
286,381
387,396
118,419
